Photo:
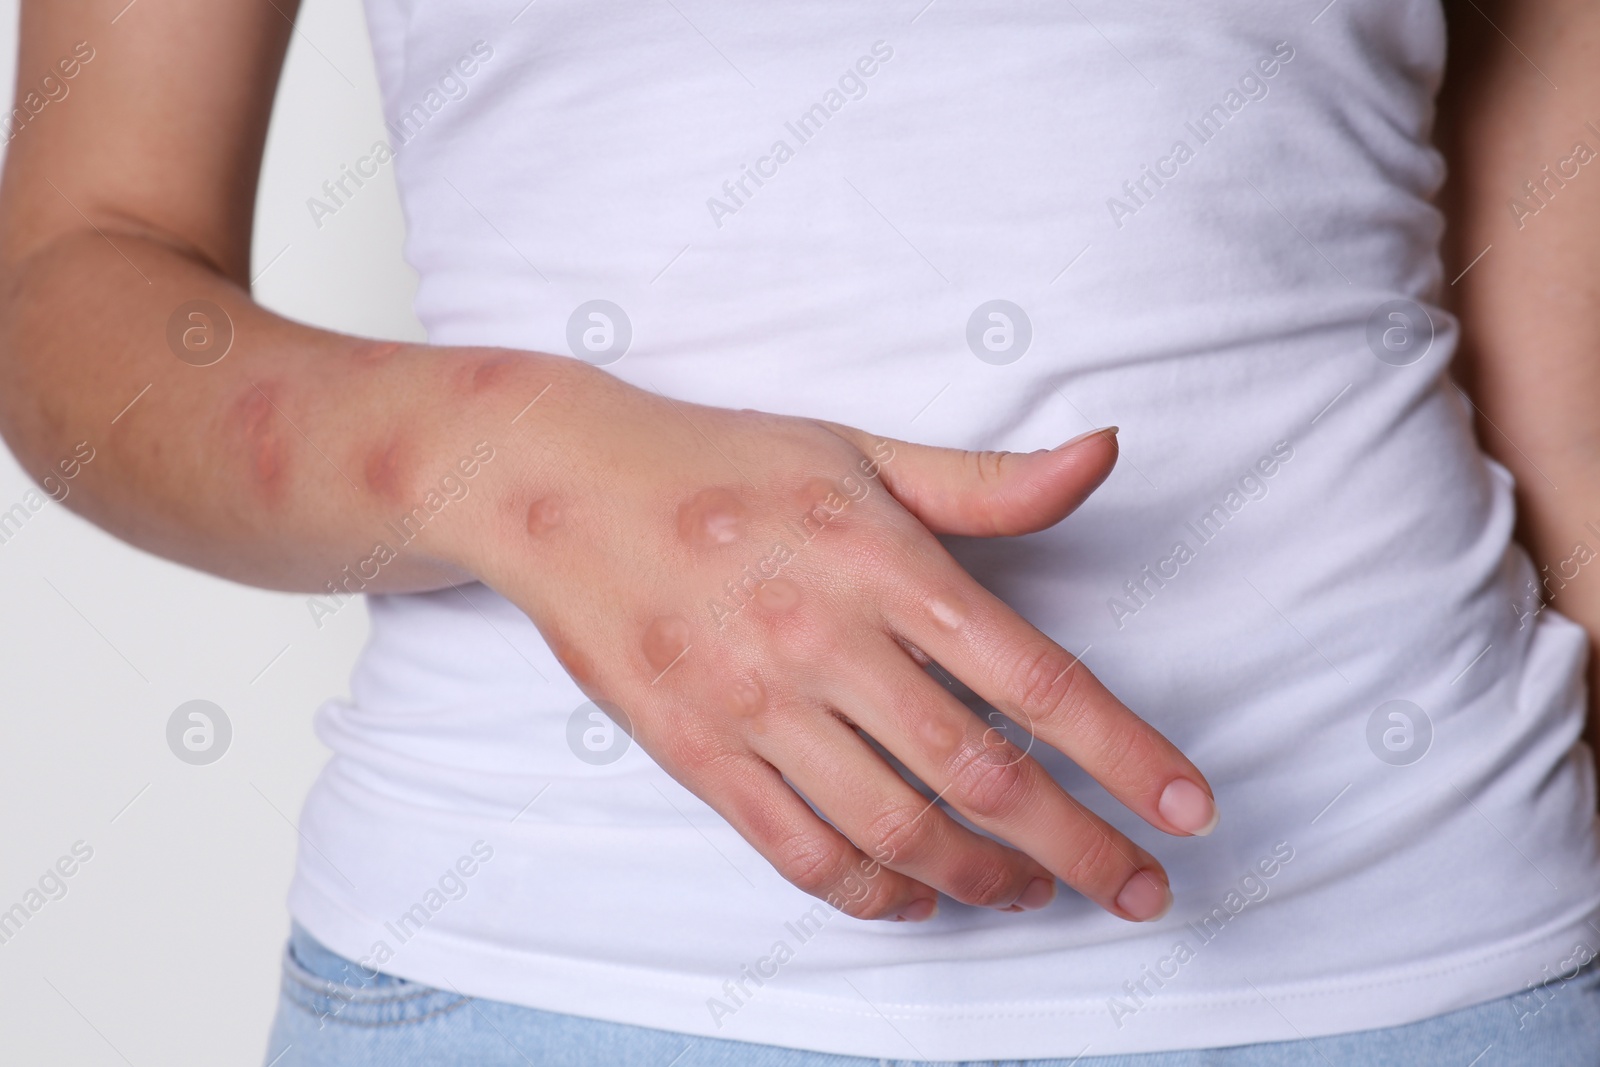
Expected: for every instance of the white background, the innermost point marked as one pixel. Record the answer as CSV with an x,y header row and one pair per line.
x,y
165,949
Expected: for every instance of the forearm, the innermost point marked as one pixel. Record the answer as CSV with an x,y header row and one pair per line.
x,y
284,462
1525,185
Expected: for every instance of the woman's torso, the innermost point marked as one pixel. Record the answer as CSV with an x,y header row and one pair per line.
x,y
1202,219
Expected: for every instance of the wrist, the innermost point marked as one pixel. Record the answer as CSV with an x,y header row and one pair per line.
x,y
506,429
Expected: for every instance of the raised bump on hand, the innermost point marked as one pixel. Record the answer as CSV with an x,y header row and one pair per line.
x,y
746,696
666,639
777,595
544,515
947,612
711,517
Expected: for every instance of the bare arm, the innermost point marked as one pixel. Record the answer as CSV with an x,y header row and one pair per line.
x,y
610,517
1521,127
133,197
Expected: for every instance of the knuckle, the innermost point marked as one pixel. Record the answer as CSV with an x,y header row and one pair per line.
x,y
987,468
812,864
872,551
1126,756
985,884
674,750
1050,686
856,908
901,835
694,748
864,893
988,781
808,635
876,549
1098,866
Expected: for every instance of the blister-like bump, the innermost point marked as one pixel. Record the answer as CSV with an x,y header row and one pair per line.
x,y
746,696
666,639
778,594
264,445
382,471
544,515
711,517
490,371
815,492
939,734
821,505
573,659
370,352
946,612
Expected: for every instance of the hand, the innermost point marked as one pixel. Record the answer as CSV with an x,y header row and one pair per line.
x,y
759,594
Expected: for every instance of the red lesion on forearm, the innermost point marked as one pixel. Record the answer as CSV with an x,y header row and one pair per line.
x,y
370,353
260,429
384,470
543,516
482,373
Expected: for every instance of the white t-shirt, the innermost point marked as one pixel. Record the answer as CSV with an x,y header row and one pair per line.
x,y
991,225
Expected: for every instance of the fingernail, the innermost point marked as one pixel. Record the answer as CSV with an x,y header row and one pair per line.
x,y
1040,892
918,911
1188,807
1145,897
1109,431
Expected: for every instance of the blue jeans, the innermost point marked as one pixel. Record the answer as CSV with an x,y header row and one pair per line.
x,y
323,1022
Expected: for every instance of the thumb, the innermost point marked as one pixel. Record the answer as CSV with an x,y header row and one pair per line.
x,y
993,494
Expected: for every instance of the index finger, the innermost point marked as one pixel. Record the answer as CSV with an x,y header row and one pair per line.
x,y
1007,661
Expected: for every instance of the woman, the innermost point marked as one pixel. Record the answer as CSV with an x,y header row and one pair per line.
x,y
723,611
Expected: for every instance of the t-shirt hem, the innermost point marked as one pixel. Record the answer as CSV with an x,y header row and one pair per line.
x,y
1255,1013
